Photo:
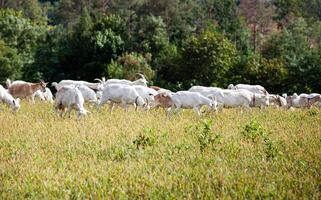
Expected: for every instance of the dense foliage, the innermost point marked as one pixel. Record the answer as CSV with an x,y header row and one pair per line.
x,y
276,43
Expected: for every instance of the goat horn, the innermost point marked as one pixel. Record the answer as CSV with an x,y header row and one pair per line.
x,y
99,80
141,75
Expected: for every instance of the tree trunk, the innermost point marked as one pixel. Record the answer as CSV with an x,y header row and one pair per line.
x,y
254,36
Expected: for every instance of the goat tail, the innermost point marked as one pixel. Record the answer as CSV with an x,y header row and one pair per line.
x,y
8,83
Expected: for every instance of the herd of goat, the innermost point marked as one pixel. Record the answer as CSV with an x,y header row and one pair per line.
x,y
73,94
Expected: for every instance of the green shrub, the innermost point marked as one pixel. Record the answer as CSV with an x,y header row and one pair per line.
x,y
253,131
145,139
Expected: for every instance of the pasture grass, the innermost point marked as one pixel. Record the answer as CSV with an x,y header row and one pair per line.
x,y
273,154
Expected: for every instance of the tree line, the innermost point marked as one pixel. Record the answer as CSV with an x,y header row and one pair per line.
x,y
175,43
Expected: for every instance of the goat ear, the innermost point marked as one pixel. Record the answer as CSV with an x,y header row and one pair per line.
x,y
18,100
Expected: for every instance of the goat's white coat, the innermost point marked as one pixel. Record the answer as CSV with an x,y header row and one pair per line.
x,y
123,94
258,89
71,98
140,81
187,99
88,94
39,94
44,96
7,98
146,93
94,86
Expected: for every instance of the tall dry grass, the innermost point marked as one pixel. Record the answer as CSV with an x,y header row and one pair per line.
x,y
233,154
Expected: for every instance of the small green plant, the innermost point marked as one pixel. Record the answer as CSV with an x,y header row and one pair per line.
x,y
142,141
253,131
312,112
271,149
204,134
256,133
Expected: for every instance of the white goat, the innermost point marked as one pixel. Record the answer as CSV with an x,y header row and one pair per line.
x,y
6,98
252,88
99,94
123,94
205,91
260,100
317,102
234,98
277,100
71,98
88,94
187,99
44,96
304,100
48,95
142,81
146,93
94,86
39,94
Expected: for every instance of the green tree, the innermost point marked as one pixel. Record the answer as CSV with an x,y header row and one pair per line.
x,y
21,35
50,58
128,65
10,63
292,45
149,35
272,73
206,59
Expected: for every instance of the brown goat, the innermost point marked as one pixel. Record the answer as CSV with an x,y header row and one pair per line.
x,y
26,90
314,99
165,101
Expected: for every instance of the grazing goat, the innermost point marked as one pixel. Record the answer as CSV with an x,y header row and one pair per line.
x,y
94,86
48,95
205,91
297,101
303,100
146,93
252,88
234,98
71,98
123,94
277,100
315,99
187,99
163,100
39,94
23,89
44,96
142,81
260,100
88,94
6,98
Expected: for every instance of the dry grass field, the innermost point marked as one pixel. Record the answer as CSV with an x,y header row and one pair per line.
x,y
229,155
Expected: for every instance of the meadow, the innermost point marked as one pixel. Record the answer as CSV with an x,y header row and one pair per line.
x,y
273,154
